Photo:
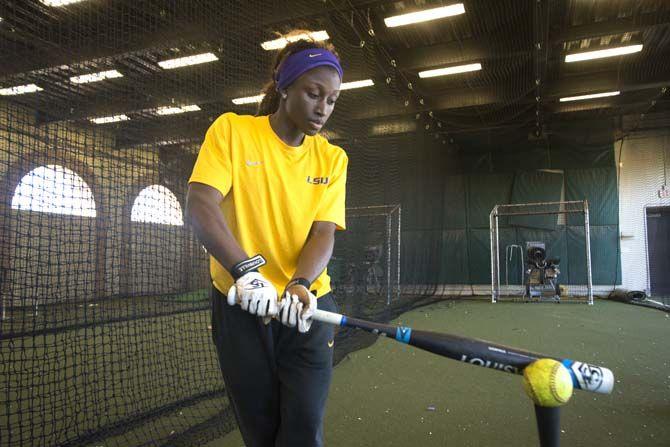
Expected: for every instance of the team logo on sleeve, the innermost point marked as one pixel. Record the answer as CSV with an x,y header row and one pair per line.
x,y
317,180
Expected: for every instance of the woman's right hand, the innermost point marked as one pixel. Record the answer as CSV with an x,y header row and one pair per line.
x,y
254,294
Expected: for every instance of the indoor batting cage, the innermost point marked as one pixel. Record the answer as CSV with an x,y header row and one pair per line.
x,y
105,289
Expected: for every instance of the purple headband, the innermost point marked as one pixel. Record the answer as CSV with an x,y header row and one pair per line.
x,y
298,63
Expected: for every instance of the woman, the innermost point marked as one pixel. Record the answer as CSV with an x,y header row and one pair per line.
x,y
265,198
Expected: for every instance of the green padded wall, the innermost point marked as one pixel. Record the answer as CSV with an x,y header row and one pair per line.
x,y
484,192
536,186
455,202
496,178
599,187
605,262
454,266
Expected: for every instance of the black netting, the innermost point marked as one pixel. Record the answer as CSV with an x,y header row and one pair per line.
x,y
105,333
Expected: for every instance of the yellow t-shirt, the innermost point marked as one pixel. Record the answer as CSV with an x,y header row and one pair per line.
x,y
272,192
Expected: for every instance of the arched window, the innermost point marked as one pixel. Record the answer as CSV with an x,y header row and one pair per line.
x,y
54,189
157,204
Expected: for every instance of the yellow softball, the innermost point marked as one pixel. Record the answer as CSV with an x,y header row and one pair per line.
x,y
547,382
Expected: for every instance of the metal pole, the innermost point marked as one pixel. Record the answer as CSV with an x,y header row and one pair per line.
x,y
388,259
497,254
508,257
493,265
647,291
521,267
587,235
517,205
392,207
399,215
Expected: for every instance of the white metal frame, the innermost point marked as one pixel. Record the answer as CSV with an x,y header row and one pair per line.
x,y
561,209
646,242
386,211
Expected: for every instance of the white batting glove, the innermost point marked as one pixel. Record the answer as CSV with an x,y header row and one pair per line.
x,y
255,294
297,308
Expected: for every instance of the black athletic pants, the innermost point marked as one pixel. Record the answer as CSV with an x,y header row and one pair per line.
x,y
277,379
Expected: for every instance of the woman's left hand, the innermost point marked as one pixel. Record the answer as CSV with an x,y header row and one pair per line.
x,y
297,307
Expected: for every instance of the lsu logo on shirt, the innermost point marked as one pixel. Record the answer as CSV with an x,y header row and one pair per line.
x,y
317,180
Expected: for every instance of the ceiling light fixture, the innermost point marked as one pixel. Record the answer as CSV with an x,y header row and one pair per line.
x,y
450,70
59,2
188,60
96,77
425,15
280,43
171,110
176,141
20,90
356,84
248,100
110,119
343,86
582,97
393,127
599,54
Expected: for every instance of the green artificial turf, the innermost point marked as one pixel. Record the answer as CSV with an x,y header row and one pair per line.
x,y
396,395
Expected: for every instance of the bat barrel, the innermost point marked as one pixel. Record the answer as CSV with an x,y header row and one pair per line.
x,y
478,352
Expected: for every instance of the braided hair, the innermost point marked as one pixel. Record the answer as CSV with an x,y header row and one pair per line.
x,y
270,102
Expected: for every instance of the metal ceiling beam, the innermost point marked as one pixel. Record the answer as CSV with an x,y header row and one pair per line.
x,y
103,105
17,63
186,29
151,93
460,98
626,122
183,27
390,106
640,23
640,101
605,82
168,128
478,49
451,53
565,121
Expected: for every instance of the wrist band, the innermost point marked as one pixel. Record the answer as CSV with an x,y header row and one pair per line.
x,y
248,265
302,281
